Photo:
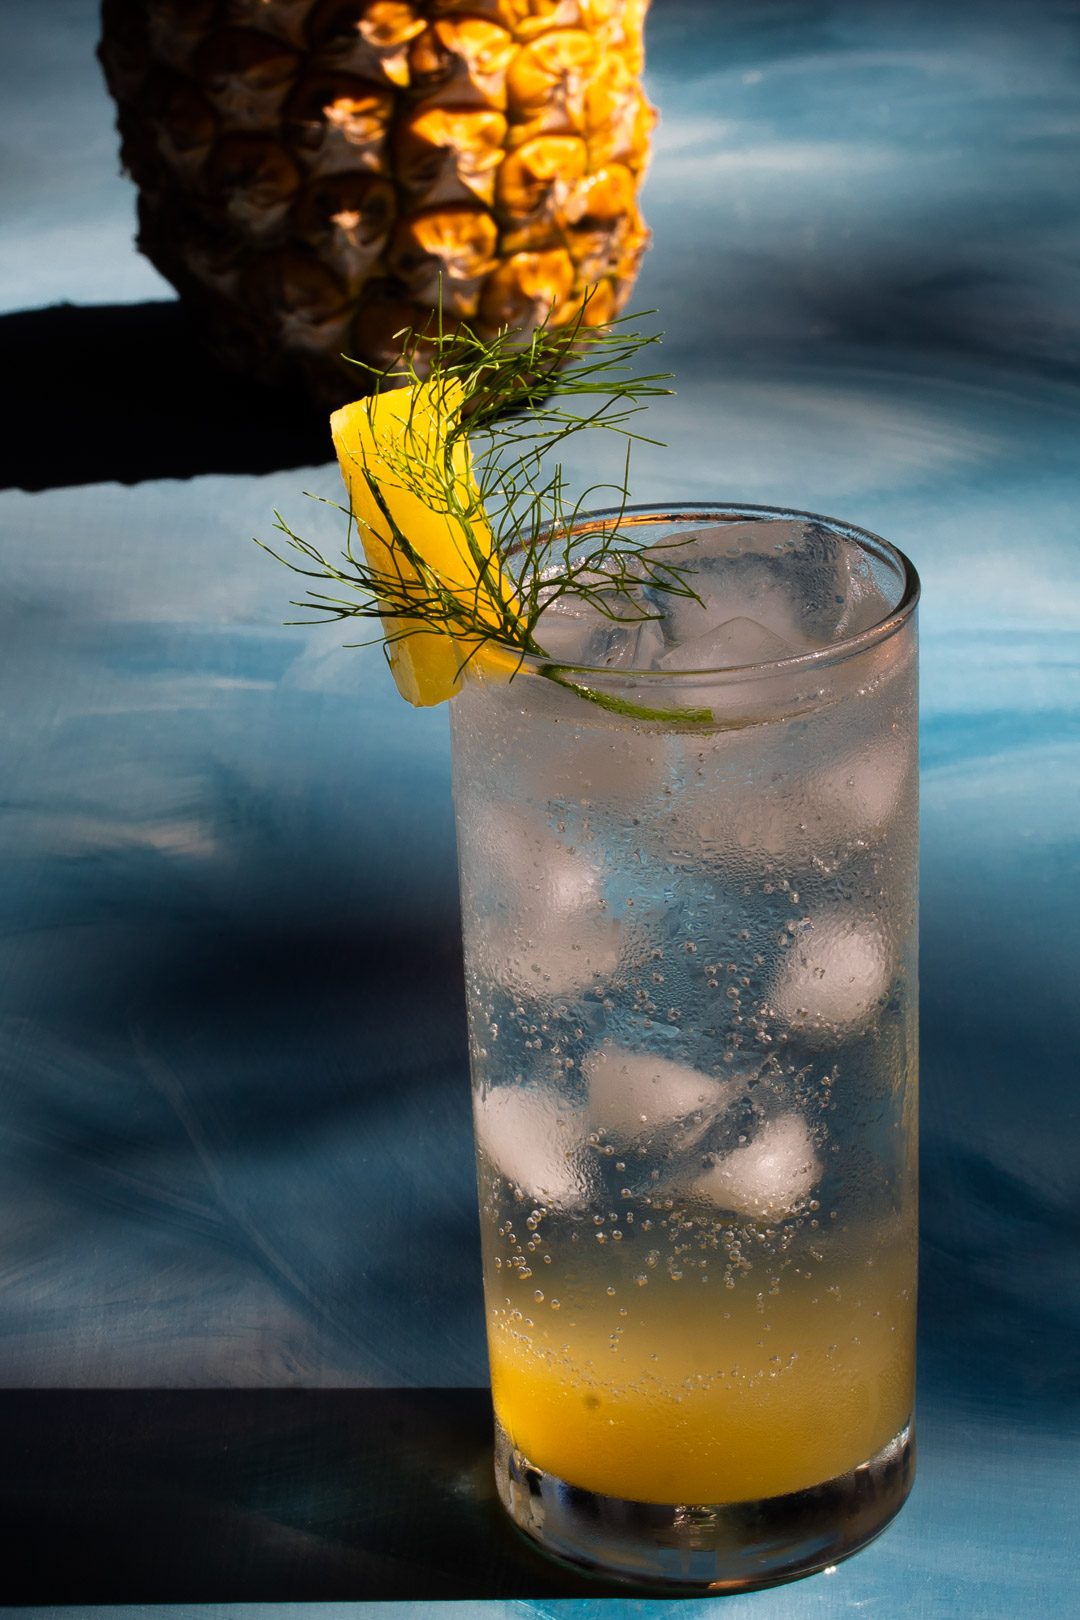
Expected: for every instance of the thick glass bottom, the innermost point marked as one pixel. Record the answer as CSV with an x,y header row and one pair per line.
x,y
706,1547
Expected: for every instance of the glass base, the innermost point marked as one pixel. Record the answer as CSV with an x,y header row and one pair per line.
x,y
714,1547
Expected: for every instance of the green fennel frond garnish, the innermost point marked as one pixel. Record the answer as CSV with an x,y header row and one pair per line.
x,y
515,399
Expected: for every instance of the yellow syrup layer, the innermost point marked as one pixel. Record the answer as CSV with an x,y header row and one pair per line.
x,y
699,1397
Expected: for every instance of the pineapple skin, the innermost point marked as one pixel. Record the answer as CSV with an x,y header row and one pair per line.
x,y
312,172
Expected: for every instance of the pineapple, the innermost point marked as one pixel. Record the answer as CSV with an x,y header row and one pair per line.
x,y
315,174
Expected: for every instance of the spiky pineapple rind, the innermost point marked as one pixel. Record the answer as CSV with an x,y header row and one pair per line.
x,y
315,175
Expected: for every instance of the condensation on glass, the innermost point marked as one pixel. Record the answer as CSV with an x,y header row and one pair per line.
x,y
689,909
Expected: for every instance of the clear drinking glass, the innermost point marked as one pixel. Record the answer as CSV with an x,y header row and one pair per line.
x,y
689,909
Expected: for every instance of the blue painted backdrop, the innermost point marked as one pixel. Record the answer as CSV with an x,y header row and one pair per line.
x,y
233,1112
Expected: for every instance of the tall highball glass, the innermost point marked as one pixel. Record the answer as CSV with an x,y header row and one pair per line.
x,y
689,909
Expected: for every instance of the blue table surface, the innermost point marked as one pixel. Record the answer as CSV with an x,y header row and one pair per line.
x,y
234,1124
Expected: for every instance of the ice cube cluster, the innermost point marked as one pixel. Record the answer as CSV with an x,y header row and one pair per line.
x,y
769,589
755,814
542,1143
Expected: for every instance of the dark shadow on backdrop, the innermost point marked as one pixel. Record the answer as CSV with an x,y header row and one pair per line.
x,y
199,1496
127,392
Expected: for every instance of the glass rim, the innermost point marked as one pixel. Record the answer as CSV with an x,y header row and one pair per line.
x,y
729,511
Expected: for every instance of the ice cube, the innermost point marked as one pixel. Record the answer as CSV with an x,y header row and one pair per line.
x,y
542,926
536,1140
602,769
742,800
797,579
861,793
612,768
833,977
634,1094
574,630
856,594
729,645
732,826
643,650
549,954
769,1177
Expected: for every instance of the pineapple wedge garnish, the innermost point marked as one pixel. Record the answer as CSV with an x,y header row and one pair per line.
x,y
371,436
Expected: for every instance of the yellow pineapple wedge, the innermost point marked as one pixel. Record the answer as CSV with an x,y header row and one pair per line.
x,y
373,437
315,174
